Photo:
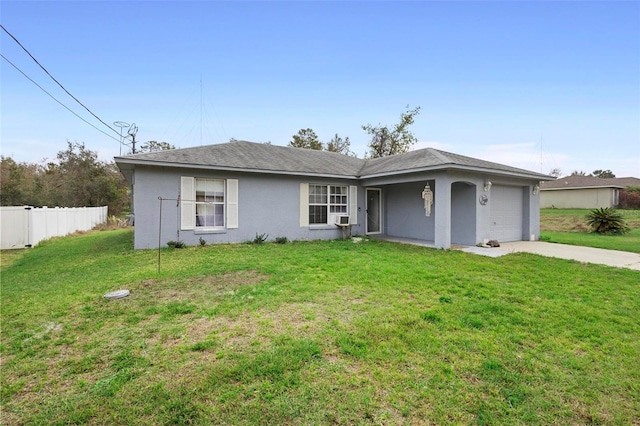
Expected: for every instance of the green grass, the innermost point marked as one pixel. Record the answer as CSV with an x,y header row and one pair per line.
x,y
314,333
568,226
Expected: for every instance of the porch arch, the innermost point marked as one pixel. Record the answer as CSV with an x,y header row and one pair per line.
x,y
463,213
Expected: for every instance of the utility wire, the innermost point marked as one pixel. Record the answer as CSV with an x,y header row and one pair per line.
x,y
63,88
52,97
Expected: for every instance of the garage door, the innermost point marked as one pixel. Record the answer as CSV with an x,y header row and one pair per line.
x,y
506,213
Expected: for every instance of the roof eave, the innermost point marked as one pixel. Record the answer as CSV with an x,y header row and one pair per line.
x,y
582,187
458,167
231,169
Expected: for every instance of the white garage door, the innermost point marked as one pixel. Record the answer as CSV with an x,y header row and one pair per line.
x,y
506,213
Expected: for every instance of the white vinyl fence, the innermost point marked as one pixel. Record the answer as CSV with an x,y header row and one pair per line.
x,y
26,226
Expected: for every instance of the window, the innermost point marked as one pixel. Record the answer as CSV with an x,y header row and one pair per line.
x,y
210,203
326,202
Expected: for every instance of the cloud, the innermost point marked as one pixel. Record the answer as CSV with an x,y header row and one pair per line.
x,y
523,155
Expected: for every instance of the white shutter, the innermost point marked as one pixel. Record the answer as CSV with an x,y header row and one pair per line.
x,y
353,205
232,203
304,204
187,203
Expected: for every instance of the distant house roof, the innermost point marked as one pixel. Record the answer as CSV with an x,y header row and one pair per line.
x,y
626,181
266,158
582,182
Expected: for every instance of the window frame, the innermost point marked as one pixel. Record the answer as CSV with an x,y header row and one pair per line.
x,y
187,202
334,199
213,203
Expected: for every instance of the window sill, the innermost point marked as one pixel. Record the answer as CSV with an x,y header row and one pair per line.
x,y
321,227
209,231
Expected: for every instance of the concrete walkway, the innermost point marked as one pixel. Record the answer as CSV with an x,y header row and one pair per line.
x,y
620,259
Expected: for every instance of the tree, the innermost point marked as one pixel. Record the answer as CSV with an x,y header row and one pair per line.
x,y
578,173
399,139
555,173
604,174
155,146
75,179
342,146
83,180
306,138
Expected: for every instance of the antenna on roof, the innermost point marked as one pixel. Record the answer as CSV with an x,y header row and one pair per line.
x,y
541,160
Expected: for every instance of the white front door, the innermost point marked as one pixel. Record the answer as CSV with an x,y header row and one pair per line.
x,y
374,211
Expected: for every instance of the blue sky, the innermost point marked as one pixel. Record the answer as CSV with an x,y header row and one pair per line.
x,y
538,85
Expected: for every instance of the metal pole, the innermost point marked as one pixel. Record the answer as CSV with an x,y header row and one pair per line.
x,y
159,233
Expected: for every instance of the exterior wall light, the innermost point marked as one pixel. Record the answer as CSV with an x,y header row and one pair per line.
x,y
487,185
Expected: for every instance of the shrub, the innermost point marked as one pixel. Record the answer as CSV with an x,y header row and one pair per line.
x,y
259,239
202,242
176,244
606,221
630,197
281,240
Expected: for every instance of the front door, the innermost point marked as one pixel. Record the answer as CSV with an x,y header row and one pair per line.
x,y
374,211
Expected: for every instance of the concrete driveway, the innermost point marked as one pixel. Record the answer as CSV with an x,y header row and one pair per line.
x,y
620,259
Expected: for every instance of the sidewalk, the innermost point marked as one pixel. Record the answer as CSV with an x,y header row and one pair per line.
x,y
620,259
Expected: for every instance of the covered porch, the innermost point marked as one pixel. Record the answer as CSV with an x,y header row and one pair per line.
x,y
450,208
400,240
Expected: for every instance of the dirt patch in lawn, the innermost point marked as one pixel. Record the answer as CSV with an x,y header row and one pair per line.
x,y
206,286
563,224
259,328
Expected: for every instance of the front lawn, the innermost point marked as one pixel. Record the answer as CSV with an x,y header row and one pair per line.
x,y
314,333
568,226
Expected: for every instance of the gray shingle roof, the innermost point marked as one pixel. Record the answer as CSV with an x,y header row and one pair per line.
x,y
434,158
579,182
625,181
258,157
252,156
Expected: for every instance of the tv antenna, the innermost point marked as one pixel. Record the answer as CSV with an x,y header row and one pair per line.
x,y
132,130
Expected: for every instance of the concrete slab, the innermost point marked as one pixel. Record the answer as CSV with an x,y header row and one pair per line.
x,y
485,251
620,259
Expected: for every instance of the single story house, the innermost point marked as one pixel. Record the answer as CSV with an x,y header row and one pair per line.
x,y
583,192
232,191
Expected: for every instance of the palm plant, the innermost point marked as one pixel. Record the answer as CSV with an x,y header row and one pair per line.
x,y
606,220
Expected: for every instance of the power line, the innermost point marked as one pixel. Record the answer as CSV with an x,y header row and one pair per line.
x,y
63,88
52,97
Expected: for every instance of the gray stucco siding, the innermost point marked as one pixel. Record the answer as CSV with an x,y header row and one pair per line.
x,y
404,214
267,204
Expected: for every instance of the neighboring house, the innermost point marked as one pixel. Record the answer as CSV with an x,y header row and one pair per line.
x,y
583,192
230,192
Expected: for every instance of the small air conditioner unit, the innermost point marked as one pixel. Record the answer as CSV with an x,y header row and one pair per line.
x,y
343,221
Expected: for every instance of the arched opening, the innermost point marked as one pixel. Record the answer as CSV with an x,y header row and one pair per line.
x,y
463,213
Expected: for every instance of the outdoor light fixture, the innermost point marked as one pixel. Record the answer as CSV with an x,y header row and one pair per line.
x,y
536,189
487,185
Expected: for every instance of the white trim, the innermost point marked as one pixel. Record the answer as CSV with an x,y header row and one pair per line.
x,y
232,203
211,203
304,204
187,203
353,205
